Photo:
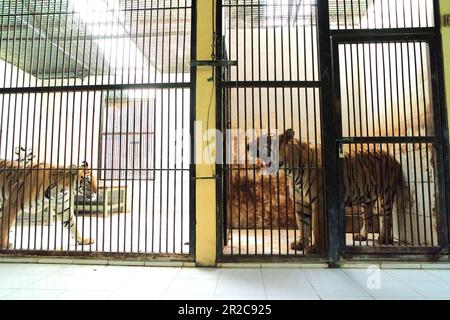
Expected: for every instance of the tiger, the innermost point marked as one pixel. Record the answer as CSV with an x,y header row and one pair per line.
x,y
23,184
375,178
369,176
305,185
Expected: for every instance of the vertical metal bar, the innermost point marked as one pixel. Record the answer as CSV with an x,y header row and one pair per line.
x,y
220,118
291,125
60,111
13,169
3,225
425,101
175,194
192,187
168,131
441,128
183,165
413,133
406,131
348,124
253,122
329,132
238,122
244,49
366,105
419,126
316,118
20,201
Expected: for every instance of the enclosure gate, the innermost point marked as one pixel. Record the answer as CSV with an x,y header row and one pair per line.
x,y
96,90
367,107
389,128
274,87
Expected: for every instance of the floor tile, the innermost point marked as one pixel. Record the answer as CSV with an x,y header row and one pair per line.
x,y
5,292
283,274
430,289
241,274
152,273
239,297
84,295
18,281
338,298
192,286
399,298
30,268
33,294
90,282
440,274
411,275
293,297
79,270
187,297
199,273
135,295
73,282
121,270
339,288
365,276
240,287
289,287
326,275
394,289
155,285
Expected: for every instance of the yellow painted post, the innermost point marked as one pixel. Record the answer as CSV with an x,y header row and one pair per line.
x,y
445,10
205,200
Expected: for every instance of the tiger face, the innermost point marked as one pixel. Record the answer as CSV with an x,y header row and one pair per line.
x,y
87,182
79,179
268,149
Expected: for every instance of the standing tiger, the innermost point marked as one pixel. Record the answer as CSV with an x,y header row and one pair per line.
x,y
22,184
369,176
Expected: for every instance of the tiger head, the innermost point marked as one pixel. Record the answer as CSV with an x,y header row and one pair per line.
x,y
268,148
87,182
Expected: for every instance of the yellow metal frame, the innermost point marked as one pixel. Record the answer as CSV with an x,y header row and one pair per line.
x,y
445,9
205,197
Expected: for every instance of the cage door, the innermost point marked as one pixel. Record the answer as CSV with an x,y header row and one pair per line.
x,y
388,147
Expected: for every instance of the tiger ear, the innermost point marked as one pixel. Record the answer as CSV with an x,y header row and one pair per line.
x,y
84,164
288,136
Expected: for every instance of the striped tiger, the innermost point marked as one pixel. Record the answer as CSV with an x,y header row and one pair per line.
x,y
22,184
369,176
374,178
304,179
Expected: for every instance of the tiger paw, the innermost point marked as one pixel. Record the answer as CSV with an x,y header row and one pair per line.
x,y
386,241
360,237
312,249
7,247
86,241
298,246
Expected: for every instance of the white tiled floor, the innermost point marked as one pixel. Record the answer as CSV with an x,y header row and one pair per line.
x,y
38,281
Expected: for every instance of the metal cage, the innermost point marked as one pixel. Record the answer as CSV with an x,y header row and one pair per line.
x,y
97,89
365,104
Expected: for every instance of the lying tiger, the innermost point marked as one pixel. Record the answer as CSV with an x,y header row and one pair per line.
x,y
369,176
22,184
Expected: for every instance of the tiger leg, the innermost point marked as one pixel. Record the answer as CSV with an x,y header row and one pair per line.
x,y
8,222
318,229
304,224
386,227
367,210
70,222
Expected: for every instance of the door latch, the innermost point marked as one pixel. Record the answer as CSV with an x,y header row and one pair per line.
x,y
341,151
